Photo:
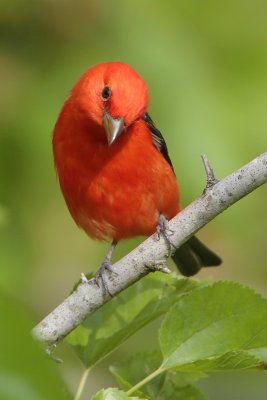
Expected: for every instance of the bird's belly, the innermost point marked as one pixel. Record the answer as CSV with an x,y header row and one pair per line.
x,y
119,191
122,205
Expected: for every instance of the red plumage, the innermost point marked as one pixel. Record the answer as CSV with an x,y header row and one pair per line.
x,y
113,164
112,191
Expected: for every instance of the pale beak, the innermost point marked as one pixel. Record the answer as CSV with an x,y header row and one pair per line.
x,y
113,127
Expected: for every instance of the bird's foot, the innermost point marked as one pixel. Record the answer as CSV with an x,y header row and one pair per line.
x,y
100,277
164,231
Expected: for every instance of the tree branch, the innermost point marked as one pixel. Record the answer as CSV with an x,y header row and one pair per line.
x,y
88,297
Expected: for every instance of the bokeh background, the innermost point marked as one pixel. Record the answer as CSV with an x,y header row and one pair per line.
x,y
205,64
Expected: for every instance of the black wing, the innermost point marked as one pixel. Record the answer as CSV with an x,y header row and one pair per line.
x,y
158,139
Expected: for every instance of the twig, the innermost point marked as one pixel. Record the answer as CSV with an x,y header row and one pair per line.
x,y
88,297
211,180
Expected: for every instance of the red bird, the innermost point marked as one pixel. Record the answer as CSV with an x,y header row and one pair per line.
x,y
113,164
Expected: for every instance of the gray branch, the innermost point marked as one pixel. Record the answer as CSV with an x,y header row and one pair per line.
x,y
88,297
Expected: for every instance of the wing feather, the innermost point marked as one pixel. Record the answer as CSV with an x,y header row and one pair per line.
x,y
158,139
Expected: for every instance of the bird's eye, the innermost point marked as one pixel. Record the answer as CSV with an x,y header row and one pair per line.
x,y
106,93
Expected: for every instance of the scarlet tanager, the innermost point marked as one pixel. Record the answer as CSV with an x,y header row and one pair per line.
x,y
113,164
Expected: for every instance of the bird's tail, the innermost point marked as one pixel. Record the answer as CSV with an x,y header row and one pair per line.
x,y
193,255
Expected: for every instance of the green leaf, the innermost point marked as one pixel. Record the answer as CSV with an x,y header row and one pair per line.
x,y
171,391
25,371
112,394
126,313
136,368
234,360
167,385
224,325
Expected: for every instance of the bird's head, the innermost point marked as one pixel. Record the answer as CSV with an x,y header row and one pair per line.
x,y
112,95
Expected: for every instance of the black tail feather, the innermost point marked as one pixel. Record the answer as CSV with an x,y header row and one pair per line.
x,y
193,255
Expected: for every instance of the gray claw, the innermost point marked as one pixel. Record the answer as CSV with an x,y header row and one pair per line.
x,y
163,229
101,276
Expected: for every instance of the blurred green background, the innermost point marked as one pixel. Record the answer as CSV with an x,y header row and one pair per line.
x,y
205,64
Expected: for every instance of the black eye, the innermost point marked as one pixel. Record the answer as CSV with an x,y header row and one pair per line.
x,y
106,93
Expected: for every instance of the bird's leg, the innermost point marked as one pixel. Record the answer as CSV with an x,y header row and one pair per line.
x,y
106,265
164,230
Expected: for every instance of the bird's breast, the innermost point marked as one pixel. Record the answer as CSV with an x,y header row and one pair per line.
x,y
118,191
